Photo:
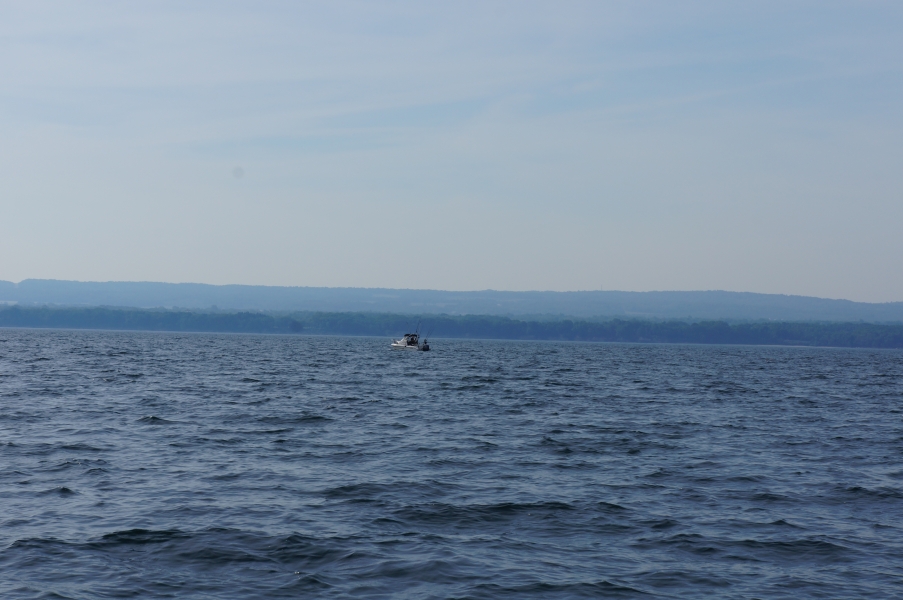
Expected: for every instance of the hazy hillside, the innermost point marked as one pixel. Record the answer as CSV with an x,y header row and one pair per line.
x,y
655,305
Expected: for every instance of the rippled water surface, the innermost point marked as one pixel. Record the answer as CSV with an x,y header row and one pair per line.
x,y
215,466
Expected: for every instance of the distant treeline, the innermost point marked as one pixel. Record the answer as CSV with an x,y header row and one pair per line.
x,y
862,335
147,320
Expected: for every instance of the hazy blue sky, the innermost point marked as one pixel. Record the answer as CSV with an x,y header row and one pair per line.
x,y
461,145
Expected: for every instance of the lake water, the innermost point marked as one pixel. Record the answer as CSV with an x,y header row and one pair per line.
x,y
233,466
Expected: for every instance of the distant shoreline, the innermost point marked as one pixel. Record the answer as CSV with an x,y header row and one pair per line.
x,y
536,305
771,333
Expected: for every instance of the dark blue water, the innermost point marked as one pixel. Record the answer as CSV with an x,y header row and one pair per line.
x,y
226,466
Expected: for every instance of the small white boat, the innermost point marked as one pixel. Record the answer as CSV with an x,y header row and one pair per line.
x,y
411,341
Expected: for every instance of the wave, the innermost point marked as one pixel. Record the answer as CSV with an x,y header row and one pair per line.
x,y
442,513
152,420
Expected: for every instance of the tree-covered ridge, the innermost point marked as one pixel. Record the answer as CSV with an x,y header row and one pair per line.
x,y
709,305
863,335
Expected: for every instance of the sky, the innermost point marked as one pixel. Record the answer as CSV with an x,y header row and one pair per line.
x,y
460,145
